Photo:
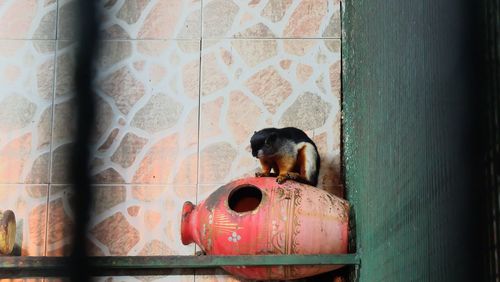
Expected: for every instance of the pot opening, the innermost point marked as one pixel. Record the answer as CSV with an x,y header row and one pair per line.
x,y
245,198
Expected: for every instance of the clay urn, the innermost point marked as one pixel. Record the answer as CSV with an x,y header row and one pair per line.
x,y
257,216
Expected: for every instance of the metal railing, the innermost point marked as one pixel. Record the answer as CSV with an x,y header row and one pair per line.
x,y
17,267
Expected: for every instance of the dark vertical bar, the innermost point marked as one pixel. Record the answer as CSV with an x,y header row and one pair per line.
x,y
87,31
489,31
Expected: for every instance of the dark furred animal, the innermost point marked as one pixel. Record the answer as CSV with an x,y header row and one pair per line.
x,y
288,152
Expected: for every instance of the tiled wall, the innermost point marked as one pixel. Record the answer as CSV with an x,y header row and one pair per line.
x,y
182,85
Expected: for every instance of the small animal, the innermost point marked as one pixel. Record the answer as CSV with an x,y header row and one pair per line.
x,y
288,152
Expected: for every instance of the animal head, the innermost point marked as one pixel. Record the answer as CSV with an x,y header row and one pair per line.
x,y
263,142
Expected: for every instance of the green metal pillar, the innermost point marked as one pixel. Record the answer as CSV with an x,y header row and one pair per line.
x,y
408,112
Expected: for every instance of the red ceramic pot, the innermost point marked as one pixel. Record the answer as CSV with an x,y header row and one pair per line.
x,y
257,216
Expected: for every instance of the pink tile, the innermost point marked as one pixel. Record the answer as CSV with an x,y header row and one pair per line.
x,y
216,275
270,87
158,162
241,116
26,77
139,19
27,19
271,19
110,232
166,275
211,118
215,162
273,82
60,221
213,78
125,220
306,19
147,127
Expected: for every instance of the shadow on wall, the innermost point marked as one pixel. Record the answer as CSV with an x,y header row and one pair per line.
x,y
17,251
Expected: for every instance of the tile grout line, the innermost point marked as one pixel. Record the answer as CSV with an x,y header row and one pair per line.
x,y
49,184
341,104
113,185
199,100
199,119
47,221
182,39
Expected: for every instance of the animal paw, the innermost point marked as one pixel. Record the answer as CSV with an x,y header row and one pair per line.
x,y
261,174
281,179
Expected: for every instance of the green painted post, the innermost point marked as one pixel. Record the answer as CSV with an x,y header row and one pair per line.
x,y
407,108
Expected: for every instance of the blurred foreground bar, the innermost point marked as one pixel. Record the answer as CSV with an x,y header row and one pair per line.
x,y
17,267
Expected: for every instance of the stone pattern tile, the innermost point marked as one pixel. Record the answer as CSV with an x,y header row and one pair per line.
x,y
173,276
147,113
138,19
217,275
23,280
29,204
263,63
28,19
247,85
125,220
27,81
160,276
271,18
